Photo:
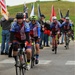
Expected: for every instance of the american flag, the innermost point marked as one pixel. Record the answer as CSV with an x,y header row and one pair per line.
x,y
3,7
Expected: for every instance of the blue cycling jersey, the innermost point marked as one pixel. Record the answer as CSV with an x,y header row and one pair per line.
x,y
20,30
66,24
55,26
35,29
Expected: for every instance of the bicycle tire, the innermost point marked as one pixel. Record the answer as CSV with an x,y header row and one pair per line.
x,y
55,50
17,66
20,67
67,42
32,58
24,65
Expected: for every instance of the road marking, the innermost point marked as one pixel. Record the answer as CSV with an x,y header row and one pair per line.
x,y
7,61
44,62
70,63
11,61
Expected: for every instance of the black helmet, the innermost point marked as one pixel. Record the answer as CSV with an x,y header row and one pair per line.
x,y
19,15
42,15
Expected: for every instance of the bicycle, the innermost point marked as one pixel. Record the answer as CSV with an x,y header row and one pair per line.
x,y
67,41
55,44
21,62
33,55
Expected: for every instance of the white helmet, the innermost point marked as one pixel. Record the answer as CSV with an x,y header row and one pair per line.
x,y
54,18
67,18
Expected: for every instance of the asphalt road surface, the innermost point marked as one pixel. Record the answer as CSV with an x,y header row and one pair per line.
x,y
62,63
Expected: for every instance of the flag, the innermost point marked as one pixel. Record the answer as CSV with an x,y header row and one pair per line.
x,y
4,11
39,11
67,14
60,14
32,11
25,11
53,13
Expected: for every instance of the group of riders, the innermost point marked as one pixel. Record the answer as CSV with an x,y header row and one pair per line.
x,y
24,30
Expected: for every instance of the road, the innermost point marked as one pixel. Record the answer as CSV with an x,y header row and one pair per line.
x,y
62,63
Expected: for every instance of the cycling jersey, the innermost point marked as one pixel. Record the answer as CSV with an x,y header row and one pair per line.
x,y
35,30
19,30
55,27
66,26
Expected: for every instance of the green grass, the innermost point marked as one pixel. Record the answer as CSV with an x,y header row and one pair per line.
x,y
46,9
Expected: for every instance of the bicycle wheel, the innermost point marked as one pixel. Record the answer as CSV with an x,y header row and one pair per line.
x,y
18,66
67,42
24,64
55,50
32,58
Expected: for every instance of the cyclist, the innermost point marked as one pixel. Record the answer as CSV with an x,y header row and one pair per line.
x,y
20,34
35,34
55,29
66,25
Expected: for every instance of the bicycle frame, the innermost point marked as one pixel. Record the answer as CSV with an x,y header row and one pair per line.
x,y
55,43
67,40
21,62
33,54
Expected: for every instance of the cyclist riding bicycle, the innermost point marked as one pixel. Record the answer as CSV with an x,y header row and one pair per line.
x,y
19,33
66,25
35,34
55,29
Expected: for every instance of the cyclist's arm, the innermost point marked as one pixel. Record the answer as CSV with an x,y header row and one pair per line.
x,y
62,24
38,29
12,31
39,32
51,26
70,26
11,36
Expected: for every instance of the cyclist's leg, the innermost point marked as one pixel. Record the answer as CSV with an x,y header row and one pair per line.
x,y
56,41
65,39
37,50
29,53
58,36
53,42
15,47
62,38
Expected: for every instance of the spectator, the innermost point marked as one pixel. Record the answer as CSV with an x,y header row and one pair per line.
x,y
46,33
5,24
42,23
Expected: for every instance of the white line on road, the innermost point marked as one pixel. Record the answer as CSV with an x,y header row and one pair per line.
x,y
70,63
11,61
44,62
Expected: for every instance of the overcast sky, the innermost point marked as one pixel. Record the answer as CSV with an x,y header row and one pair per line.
x,y
17,2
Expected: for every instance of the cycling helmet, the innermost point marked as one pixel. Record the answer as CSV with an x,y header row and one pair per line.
x,y
34,17
54,18
19,15
42,15
67,18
